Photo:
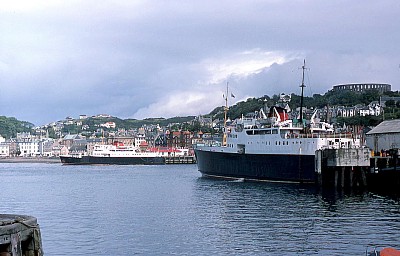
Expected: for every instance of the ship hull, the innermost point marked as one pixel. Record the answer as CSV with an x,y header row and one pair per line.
x,y
268,167
86,160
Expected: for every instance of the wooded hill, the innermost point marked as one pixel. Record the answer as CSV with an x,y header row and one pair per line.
x,y
94,123
331,98
10,126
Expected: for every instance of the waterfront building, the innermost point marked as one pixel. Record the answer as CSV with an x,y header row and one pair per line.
x,y
70,139
140,139
4,149
179,139
46,147
27,145
384,136
28,148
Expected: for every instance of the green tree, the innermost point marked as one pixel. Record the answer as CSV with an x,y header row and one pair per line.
x,y
390,103
10,126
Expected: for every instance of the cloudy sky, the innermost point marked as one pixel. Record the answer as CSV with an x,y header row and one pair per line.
x,y
144,58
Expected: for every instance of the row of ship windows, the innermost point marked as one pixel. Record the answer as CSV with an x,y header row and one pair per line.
x,y
256,132
278,143
260,132
115,150
137,154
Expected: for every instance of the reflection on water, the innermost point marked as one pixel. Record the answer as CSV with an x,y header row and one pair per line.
x,y
158,210
295,218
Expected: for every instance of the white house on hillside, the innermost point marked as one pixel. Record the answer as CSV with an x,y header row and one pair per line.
x,y
108,125
346,111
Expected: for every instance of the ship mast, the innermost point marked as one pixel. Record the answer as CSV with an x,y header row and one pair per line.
x,y
225,115
302,92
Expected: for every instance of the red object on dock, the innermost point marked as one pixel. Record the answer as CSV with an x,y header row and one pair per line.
x,y
389,252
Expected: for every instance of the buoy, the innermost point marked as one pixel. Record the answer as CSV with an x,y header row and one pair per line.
x,y
389,252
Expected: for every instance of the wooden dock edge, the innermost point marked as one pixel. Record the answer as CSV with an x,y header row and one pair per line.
x,y
19,236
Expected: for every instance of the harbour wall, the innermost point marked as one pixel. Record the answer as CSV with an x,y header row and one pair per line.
x,y
357,167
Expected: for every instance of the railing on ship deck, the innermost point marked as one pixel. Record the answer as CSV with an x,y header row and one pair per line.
x,y
292,136
318,135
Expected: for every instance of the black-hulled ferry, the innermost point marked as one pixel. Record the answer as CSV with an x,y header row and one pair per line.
x,y
270,147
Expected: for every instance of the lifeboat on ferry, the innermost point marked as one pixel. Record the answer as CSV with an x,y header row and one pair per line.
x,y
278,112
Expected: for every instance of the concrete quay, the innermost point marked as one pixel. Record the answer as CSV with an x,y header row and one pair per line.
x,y
356,167
50,160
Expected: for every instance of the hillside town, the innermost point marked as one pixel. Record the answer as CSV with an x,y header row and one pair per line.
x,y
171,139
145,138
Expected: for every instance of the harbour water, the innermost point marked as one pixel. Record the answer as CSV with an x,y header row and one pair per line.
x,y
172,210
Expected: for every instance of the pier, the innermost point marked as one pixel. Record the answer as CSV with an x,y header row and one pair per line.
x,y
19,236
385,171
358,167
344,167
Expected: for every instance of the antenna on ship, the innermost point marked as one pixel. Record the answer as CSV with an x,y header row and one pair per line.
x,y
225,114
302,92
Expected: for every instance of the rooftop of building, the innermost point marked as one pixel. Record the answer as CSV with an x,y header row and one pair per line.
x,y
388,126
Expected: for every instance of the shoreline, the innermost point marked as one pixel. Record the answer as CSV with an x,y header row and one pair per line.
x,y
52,160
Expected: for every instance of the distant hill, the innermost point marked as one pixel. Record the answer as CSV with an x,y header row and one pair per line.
x,y
331,98
10,126
94,123
161,121
135,123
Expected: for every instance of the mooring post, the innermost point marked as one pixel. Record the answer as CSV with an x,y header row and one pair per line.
x,y
342,177
20,236
352,177
364,177
336,177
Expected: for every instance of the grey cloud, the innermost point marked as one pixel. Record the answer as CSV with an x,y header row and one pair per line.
x,y
128,58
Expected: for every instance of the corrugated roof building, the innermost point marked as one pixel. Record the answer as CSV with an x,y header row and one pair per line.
x,y
384,136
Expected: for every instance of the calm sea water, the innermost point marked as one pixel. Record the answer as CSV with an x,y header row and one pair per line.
x,y
172,210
